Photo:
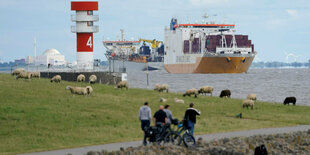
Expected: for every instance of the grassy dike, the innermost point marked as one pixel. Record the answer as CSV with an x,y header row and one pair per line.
x,y
38,115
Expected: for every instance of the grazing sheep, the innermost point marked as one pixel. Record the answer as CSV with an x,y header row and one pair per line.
x,y
89,90
205,90
225,93
17,71
92,79
35,74
162,100
191,92
289,100
248,103
252,97
122,84
161,88
80,78
25,75
176,100
80,90
56,78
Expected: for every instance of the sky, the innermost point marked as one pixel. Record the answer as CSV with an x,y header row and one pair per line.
x,y
276,27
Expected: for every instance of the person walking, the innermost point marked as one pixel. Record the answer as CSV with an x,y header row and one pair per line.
x,y
160,117
168,113
190,116
145,116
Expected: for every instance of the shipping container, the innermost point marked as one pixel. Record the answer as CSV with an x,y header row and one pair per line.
x,y
186,46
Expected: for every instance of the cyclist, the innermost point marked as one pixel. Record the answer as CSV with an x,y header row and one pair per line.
x,y
168,113
160,117
190,116
145,116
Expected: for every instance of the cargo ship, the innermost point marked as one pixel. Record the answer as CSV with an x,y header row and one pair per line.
x,y
128,56
206,48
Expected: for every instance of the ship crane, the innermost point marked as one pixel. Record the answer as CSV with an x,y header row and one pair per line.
x,y
155,46
155,43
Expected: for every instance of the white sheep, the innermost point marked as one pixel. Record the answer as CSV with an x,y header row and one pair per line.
x,y
161,88
176,100
205,90
252,97
25,75
122,84
35,74
80,90
190,92
248,103
80,78
92,79
17,71
163,100
56,78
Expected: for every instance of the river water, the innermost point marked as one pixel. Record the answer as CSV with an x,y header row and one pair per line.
x,y
271,85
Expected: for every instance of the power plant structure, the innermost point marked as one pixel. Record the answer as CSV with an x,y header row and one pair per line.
x,y
84,30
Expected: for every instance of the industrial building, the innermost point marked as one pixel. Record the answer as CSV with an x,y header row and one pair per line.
x,y
50,56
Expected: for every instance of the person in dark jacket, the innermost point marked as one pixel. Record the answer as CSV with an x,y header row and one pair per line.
x,y
160,117
190,116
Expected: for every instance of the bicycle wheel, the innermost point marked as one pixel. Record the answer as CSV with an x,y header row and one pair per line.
x,y
189,140
173,138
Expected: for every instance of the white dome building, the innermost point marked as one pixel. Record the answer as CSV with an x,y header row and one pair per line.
x,y
50,56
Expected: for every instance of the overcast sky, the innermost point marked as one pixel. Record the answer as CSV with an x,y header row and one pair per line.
x,y
275,27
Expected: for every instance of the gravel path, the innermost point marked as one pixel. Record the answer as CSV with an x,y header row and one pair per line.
x,y
208,137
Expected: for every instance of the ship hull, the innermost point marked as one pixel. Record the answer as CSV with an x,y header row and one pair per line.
x,y
117,65
206,65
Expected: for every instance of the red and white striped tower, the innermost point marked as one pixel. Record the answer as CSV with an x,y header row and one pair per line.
x,y
84,30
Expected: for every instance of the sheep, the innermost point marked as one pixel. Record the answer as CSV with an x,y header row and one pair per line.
x,y
80,78
161,88
176,100
25,75
162,100
17,71
80,90
35,74
205,90
252,97
92,79
225,93
89,90
190,92
248,103
56,78
122,84
289,100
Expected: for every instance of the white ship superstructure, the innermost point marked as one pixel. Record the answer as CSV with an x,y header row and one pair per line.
x,y
206,48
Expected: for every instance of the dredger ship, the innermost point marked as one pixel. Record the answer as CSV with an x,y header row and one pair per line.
x,y
206,48
127,56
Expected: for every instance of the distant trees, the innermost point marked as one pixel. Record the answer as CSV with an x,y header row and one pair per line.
x,y
276,64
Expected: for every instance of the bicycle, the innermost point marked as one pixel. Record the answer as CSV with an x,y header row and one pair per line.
x,y
174,136
156,134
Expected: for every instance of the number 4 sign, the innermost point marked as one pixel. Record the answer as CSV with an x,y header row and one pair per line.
x,y
85,42
89,42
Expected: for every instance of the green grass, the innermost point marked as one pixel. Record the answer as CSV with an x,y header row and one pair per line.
x,y
38,115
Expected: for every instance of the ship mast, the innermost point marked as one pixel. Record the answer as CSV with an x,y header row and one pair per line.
x,y
122,35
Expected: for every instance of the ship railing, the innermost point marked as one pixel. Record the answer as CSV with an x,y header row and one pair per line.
x,y
237,50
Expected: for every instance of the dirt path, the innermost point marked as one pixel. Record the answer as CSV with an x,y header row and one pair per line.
x,y
208,137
